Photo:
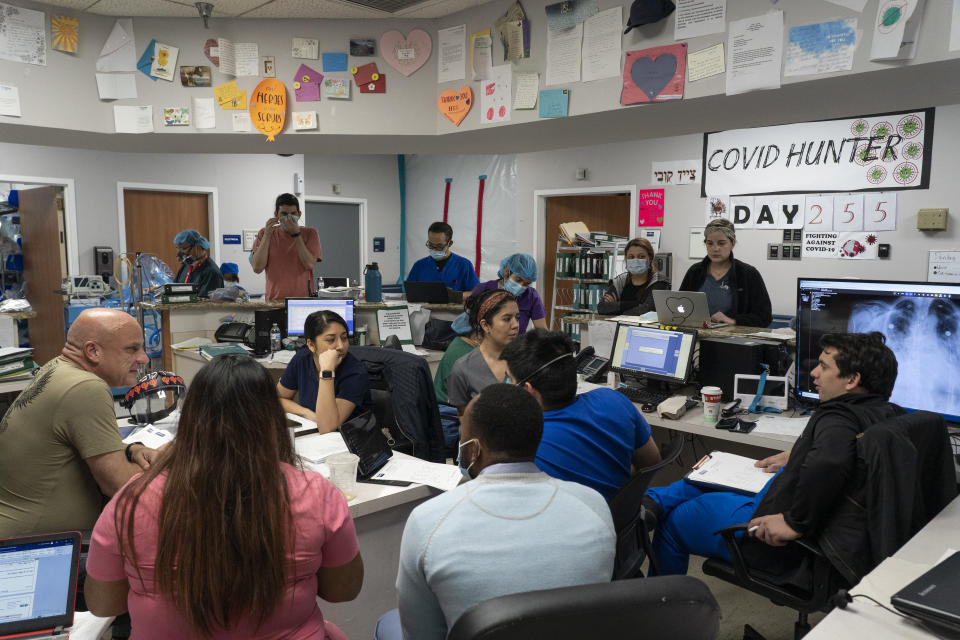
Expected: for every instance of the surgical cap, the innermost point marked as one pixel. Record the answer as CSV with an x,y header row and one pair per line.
x,y
229,267
191,236
521,264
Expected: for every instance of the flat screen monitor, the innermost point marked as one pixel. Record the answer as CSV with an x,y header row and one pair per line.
x,y
653,353
920,320
299,308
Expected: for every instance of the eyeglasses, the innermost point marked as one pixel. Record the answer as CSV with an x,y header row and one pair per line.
x,y
437,247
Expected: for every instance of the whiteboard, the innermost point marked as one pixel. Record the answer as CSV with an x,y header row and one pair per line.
x,y
943,266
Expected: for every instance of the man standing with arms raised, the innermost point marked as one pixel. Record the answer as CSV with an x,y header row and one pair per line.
x,y
286,251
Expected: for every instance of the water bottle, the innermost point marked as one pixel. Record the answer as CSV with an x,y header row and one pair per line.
x,y
275,338
319,283
373,283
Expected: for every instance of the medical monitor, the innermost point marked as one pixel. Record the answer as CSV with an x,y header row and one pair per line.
x,y
652,353
921,323
299,308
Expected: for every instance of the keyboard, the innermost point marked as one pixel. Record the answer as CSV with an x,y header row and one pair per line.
x,y
644,396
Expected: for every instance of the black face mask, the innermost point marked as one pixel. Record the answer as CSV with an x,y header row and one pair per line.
x,y
185,258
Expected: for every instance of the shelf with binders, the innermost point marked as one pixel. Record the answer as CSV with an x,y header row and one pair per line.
x,y
580,279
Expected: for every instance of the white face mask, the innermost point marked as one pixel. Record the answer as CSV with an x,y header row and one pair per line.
x,y
636,266
465,471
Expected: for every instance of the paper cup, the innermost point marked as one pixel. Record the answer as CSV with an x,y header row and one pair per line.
x,y
712,397
343,473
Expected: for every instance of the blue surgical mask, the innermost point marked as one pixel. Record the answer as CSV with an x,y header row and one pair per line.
x,y
636,266
461,324
512,286
438,255
465,471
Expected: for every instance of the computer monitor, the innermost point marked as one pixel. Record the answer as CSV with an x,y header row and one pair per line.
x,y
920,320
658,354
299,308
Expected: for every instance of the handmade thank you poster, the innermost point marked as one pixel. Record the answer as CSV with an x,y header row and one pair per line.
x,y
650,212
455,105
655,74
336,89
306,84
406,53
66,33
369,79
164,61
268,107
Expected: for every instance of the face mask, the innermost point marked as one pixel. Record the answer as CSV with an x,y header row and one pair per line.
x,y
465,471
185,258
636,266
438,255
461,324
512,286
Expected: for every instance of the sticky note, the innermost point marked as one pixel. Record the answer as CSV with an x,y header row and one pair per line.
x,y
554,103
334,62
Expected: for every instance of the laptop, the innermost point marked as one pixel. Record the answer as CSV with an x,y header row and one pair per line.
x,y
683,309
435,292
38,585
934,597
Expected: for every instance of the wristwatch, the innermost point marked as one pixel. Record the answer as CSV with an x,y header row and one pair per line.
x,y
295,235
326,375
128,453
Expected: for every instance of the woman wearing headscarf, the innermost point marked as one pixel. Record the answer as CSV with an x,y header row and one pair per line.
x,y
193,252
517,273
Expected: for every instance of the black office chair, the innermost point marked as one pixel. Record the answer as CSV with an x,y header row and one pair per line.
x,y
675,607
633,537
919,490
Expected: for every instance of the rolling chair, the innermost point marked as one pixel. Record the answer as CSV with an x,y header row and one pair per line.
x,y
633,536
920,489
675,607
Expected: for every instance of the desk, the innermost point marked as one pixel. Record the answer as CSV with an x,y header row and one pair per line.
x,y
862,618
692,422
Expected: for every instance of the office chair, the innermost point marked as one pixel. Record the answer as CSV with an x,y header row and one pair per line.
x,y
633,537
675,607
918,490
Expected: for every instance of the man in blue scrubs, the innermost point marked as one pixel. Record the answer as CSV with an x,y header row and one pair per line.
x,y
442,265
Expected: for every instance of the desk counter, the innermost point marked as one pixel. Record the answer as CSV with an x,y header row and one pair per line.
x,y
692,423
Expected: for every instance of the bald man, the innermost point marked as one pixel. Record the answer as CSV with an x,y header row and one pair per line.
x,y
60,450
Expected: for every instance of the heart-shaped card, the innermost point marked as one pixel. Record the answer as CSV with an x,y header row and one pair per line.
x,y
406,53
211,43
455,105
655,74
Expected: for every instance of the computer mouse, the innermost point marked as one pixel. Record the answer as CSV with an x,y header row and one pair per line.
x,y
648,408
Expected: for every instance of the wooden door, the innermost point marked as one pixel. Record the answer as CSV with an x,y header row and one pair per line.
x,y
44,267
153,218
609,213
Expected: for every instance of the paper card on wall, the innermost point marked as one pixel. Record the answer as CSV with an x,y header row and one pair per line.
x,y
363,47
23,35
303,120
765,212
705,63
268,107
119,52
377,85
848,212
117,86
199,76
821,48
334,62
306,48
602,35
742,212
880,211
495,99
212,51
789,212
481,55
176,116
204,113
820,244
896,29
818,213
677,172
306,84
133,119
943,266
696,249
226,92
564,55
650,211
455,105
145,63
554,103
716,207
655,74
527,86
513,27
699,18
955,27
9,100
238,101
65,32
336,89
653,237
364,74
228,64
241,122
570,13
268,66
246,56
164,61
754,53
862,245
406,53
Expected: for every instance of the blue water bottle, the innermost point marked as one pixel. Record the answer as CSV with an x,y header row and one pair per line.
x,y
373,283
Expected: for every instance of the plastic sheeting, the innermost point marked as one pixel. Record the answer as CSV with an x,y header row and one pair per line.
x,y
425,190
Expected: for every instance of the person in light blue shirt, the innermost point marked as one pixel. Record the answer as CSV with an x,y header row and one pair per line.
x,y
511,529
442,265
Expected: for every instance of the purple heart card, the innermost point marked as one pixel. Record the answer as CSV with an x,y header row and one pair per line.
x,y
655,74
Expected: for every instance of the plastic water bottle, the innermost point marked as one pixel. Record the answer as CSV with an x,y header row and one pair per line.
x,y
275,338
373,283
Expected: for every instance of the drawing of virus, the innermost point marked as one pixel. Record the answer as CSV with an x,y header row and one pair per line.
x,y
718,208
861,156
889,15
881,129
859,127
852,248
905,173
909,126
872,239
877,174
913,150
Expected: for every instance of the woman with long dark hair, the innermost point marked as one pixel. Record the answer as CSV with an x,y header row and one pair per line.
x,y
224,537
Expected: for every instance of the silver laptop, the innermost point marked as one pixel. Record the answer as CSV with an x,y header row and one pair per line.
x,y
687,309
38,585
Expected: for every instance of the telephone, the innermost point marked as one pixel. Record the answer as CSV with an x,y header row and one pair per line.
x,y
591,366
235,332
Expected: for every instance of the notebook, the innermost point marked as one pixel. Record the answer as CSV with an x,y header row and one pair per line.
x,y
38,585
934,597
683,309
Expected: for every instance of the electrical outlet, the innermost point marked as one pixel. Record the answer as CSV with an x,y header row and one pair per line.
x,y
787,235
773,252
798,235
883,251
797,251
932,219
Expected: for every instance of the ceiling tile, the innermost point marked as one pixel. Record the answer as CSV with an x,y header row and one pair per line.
x,y
437,8
143,8
79,5
335,9
228,8
314,9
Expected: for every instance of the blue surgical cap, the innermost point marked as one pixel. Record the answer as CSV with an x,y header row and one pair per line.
x,y
191,236
521,264
230,267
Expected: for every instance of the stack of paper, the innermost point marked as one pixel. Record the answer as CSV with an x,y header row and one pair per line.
x,y
16,363
570,231
317,447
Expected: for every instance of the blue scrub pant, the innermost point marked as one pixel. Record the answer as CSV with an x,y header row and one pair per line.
x,y
690,516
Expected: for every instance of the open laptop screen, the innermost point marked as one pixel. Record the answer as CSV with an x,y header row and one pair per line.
x,y
38,578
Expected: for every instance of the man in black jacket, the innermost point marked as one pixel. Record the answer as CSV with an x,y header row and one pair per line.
x,y
854,376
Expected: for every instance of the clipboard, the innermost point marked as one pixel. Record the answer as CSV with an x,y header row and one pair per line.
x,y
723,471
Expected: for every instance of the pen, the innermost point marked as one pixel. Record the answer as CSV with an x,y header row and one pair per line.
x,y
702,460
753,528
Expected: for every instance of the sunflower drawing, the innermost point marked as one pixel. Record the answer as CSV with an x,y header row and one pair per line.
x,y
66,33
